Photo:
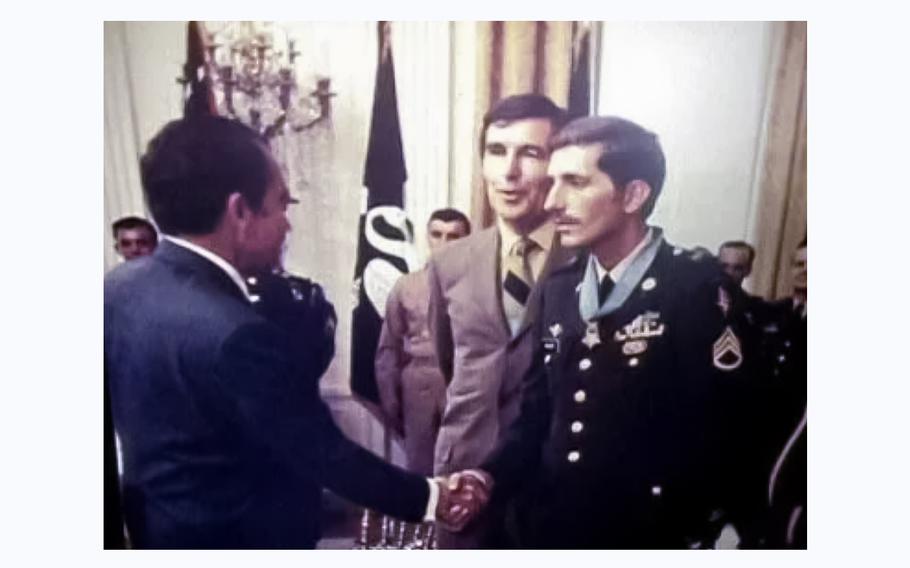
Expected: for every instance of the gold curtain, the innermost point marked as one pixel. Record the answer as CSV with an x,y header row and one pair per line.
x,y
513,58
781,219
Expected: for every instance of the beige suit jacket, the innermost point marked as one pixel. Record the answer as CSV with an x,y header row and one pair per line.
x,y
482,363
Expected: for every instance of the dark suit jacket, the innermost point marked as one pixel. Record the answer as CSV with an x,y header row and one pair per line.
x,y
113,515
629,441
226,442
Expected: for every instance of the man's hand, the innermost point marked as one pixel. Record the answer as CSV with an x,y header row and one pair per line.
x,y
462,497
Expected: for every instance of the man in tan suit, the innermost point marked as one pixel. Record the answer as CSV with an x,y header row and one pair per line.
x,y
411,388
482,289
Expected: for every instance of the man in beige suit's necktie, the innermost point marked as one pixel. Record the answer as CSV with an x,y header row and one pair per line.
x,y
482,293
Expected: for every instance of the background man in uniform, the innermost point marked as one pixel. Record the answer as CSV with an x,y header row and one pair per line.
x,y
134,237
480,291
411,388
785,346
625,433
226,442
736,259
785,412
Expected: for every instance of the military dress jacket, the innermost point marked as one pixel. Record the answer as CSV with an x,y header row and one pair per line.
x,y
629,418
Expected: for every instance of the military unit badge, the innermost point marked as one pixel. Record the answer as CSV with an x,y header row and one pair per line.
x,y
728,353
551,344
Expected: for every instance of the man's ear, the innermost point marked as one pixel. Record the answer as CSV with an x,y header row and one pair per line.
x,y
635,195
237,210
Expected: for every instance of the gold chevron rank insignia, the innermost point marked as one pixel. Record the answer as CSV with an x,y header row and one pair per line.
x,y
728,353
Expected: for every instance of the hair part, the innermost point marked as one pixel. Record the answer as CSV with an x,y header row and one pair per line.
x,y
629,152
449,215
522,107
193,165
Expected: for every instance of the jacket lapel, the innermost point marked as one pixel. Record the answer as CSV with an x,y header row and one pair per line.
x,y
486,281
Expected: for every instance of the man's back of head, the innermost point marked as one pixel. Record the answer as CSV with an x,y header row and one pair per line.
x,y
213,181
192,165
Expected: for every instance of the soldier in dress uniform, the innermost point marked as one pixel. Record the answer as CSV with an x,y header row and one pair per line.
x,y
785,335
627,436
784,420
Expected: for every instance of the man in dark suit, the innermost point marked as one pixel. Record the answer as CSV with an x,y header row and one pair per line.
x,y
482,296
627,436
226,442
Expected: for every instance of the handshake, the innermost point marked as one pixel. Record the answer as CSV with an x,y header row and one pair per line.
x,y
462,497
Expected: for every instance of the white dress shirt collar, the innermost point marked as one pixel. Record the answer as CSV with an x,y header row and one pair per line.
x,y
224,265
542,235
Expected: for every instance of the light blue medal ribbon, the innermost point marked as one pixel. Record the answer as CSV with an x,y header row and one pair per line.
x,y
587,298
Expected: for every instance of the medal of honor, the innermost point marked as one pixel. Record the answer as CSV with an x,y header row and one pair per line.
x,y
592,336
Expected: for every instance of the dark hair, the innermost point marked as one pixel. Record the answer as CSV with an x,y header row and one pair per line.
x,y
126,223
449,215
191,167
629,151
740,244
520,107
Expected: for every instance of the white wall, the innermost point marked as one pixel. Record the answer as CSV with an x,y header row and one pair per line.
x,y
142,61
702,87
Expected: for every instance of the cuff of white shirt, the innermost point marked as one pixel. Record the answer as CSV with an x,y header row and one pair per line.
x,y
430,515
479,476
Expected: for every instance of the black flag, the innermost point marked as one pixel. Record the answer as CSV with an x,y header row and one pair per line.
x,y
199,99
386,238
580,80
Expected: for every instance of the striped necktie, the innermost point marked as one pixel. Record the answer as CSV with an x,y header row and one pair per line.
x,y
517,281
